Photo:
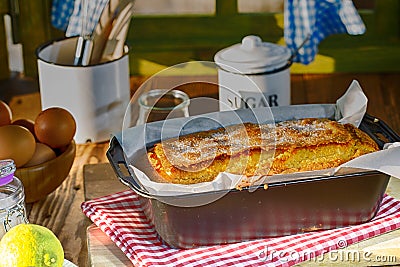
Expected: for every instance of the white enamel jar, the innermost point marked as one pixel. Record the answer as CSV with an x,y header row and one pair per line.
x,y
96,95
253,74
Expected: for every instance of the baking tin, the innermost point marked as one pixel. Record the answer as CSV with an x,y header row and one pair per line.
x,y
275,209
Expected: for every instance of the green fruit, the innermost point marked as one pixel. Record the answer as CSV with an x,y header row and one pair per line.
x,y
30,245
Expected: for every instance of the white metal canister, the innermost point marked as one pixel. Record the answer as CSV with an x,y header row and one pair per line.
x,y
253,74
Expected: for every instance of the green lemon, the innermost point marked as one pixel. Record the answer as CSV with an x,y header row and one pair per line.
x,y
30,245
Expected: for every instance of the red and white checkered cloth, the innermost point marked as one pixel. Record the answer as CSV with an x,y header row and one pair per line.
x,y
122,219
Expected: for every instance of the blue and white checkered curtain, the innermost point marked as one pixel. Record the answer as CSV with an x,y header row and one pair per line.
x,y
95,8
66,15
61,11
317,19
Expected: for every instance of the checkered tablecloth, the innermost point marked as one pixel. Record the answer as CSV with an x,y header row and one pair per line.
x,y
122,219
317,19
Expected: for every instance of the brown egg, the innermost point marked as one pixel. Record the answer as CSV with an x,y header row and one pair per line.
x,y
42,154
5,113
16,143
28,124
55,127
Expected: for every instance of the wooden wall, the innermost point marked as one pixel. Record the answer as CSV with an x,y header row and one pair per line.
x,y
4,71
160,41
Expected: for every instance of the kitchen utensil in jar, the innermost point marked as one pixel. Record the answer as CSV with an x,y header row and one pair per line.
x,y
84,44
114,13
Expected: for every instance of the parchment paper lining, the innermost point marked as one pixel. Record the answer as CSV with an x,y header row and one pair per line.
x,y
350,108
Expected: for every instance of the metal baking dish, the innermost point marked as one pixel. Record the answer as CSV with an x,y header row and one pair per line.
x,y
281,208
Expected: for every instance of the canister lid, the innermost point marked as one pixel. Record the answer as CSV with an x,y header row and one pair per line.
x,y
7,169
253,56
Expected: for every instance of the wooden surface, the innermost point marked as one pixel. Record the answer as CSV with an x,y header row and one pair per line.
x,y
61,212
100,180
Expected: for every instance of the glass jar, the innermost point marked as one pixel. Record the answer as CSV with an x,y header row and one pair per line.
x,y
161,104
12,198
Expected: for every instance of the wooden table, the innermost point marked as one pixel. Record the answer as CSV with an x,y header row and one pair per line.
x,y
60,211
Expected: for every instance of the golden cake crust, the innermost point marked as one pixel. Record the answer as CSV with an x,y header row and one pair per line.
x,y
265,149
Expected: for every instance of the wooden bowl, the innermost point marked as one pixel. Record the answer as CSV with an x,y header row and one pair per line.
x,y
42,179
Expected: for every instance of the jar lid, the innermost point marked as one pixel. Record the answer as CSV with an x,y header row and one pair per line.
x,y
253,56
7,169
